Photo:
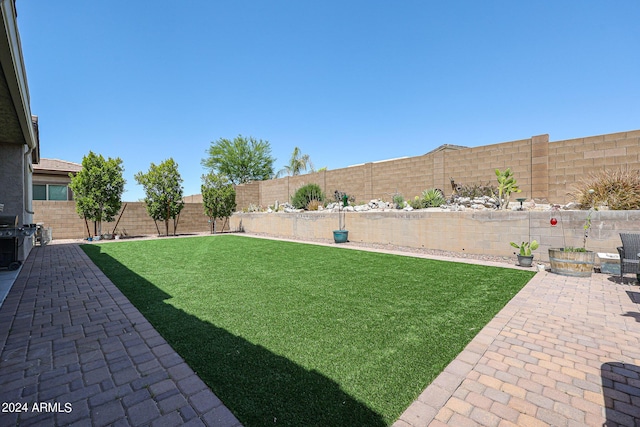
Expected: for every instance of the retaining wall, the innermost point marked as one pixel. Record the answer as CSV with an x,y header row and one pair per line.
x,y
482,232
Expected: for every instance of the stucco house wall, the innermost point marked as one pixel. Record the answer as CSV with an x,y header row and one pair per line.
x,y
19,145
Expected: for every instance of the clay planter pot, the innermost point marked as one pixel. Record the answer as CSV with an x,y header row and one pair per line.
x,y
576,264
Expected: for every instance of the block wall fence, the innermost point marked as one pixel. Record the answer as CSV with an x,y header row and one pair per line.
x,y
65,223
546,171
481,232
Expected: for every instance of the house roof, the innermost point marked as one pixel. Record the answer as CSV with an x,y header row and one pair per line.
x,y
55,166
447,147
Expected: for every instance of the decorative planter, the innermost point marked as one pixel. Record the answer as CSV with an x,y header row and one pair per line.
x,y
576,264
340,236
525,261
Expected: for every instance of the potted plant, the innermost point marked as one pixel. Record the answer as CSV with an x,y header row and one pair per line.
x,y
525,258
341,235
573,261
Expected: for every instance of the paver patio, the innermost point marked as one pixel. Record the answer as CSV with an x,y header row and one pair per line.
x,y
564,352
70,339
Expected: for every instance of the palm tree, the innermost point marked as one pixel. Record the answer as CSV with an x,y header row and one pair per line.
x,y
297,164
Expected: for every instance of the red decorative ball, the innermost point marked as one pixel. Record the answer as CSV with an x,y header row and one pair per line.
x,y
553,222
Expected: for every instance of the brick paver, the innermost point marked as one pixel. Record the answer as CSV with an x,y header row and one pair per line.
x,y
74,351
564,352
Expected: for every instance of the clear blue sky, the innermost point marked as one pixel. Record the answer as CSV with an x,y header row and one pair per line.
x,y
346,81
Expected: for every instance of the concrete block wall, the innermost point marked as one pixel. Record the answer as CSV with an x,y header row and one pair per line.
x,y
545,171
482,232
571,160
247,194
66,224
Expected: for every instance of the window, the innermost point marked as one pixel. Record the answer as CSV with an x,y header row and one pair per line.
x,y
49,192
57,192
39,192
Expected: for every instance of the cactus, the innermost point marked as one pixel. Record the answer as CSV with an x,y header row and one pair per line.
x,y
526,247
506,185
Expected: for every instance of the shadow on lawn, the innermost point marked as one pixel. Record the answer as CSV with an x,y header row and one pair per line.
x,y
261,388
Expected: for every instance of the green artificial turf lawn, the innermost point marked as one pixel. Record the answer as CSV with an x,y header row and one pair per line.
x,y
302,335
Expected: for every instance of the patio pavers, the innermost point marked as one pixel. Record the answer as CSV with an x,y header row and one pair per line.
x,y
564,352
74,351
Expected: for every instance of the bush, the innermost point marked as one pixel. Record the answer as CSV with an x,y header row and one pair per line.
x,y
618,189
398,200
417,203
306,194
476,190
313,205
432,198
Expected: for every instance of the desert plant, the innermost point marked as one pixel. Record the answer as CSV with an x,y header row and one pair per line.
x,y
476,190
506,185
416,203
618,189
306,194
432,198
398,200
313,205
342,199
526,247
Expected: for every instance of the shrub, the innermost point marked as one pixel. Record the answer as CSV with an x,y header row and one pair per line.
x,y
618,189
476,190
305,194
416,203
313,205
398,200
432,198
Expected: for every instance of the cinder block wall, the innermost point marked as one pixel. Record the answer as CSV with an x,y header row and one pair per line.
x,y
483,232
571,160
66,224
545,171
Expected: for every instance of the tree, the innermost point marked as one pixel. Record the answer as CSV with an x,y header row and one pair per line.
x,y
163,189
298,163
97,189
241,160
219,198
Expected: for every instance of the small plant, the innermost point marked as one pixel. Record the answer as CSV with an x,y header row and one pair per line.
x,y
617,189
432,198
506,185
313,205
574,249
476,190
416,203
526,247
398,200
343,201
586,227
306,194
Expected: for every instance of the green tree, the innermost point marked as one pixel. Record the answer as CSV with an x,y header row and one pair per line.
x,y
97,189
218,197
241,160
298,163
163,189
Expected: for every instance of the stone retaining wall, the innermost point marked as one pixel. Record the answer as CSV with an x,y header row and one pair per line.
x,y
481,232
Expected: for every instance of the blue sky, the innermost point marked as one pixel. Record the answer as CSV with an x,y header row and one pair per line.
x,y
346,81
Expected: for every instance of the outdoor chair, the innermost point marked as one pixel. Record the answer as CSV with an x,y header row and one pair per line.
x,y
629,253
